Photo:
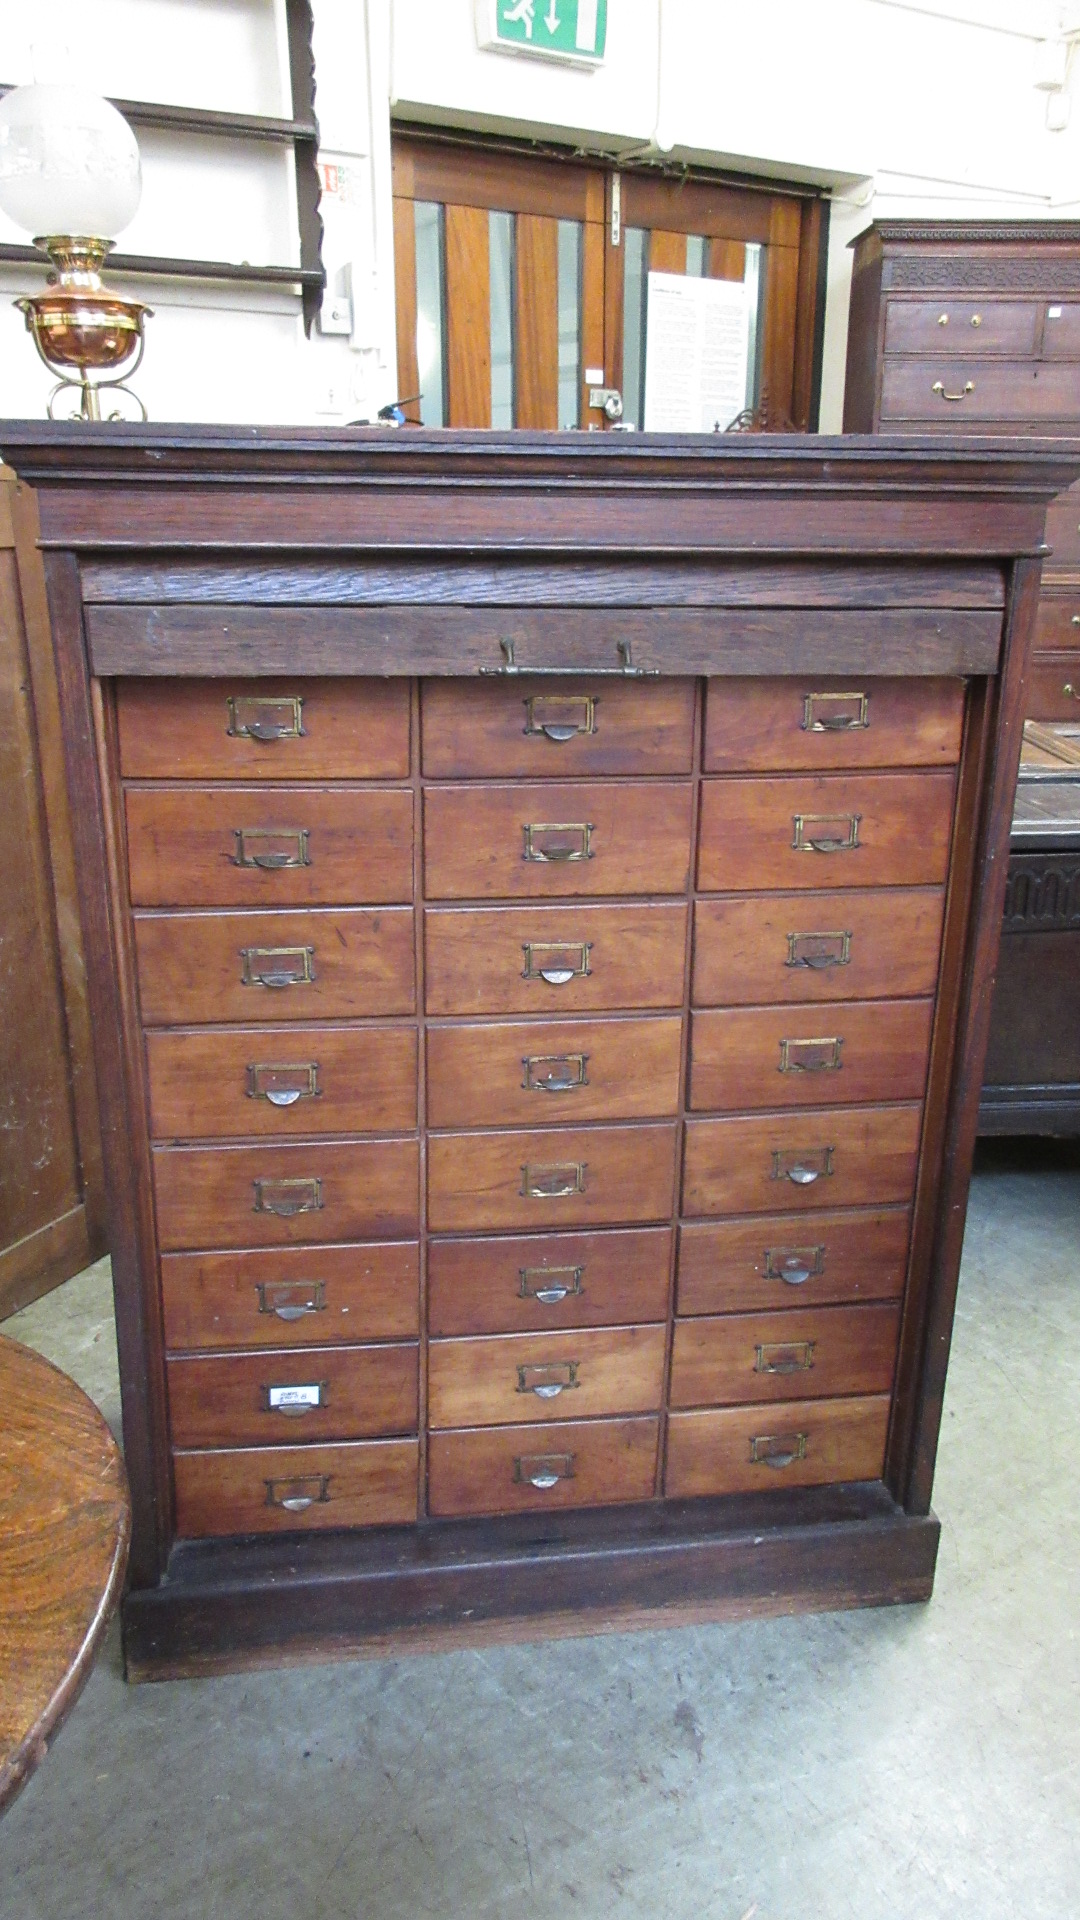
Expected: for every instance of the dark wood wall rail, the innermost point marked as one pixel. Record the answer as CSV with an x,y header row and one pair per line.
x,y
541,898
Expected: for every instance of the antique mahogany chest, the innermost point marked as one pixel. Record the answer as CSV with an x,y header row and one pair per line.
x,y
541,897
974,327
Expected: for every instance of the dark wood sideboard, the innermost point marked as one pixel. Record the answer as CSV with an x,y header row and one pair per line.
x,y
541,898
974,328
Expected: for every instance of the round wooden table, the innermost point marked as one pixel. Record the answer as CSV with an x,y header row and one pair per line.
x,y
65,1525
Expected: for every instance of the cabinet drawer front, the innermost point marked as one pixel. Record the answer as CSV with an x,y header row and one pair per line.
x,y
538,1281
953,392
268,847
782,1261
310,1080
258,967
813,1056
767,724
812,1443
511,1377
553,959
278,1397
832,830
861,1156
1057,623
521,841
810,1354
371,1483
792,947
602,1176
534,1071
947,326
311,1296
1063,531
536,728
1061,333
279,1196
526,1469
263,729
1053,690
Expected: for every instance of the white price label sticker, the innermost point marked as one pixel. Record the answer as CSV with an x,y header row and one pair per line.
x,y
285,1399
1053,313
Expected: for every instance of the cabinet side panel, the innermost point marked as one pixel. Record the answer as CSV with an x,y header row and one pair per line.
x,y
110,993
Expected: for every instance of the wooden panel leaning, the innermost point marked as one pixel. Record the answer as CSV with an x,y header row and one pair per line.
x,y
534,1096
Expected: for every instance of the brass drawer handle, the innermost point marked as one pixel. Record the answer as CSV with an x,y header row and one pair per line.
x,y
1072,691
283,1085
1076,616
825,832
819,950
835,712
555,1182
793,1356
277,966
295,1401
259,717
777,1450
811,1056
291,1299
285,1198
542,1470
549,1285
940,389
556,961
296,1496
558,840
555,1072
560,717
271,848
802,1169
548,1382
794,1265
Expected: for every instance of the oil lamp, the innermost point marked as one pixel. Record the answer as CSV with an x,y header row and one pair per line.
x,y
70,178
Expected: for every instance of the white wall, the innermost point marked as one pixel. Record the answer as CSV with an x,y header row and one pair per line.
x,y
899,107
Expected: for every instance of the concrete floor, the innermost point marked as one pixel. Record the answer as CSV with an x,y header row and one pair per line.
x,y
908,1764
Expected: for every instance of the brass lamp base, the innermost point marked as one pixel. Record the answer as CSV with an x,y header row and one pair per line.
x,y
78,324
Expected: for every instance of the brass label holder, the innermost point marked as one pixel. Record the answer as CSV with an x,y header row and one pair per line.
x,y
558,841
554,1072
265,717
555,1182
286,1198
825,832
560,717
818,951
556,961
835,712
778,1450
277,966
291,1300
811,1056
550,1285
272,848
296,1496
548,1382
542,1470
283,1084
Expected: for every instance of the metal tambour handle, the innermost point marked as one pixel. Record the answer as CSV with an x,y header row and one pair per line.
x,y
625,671
940,389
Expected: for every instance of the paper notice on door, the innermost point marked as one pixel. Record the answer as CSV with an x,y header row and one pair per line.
x,y
697,352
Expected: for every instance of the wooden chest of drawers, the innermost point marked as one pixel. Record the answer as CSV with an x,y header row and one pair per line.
x,y
541,897
975,328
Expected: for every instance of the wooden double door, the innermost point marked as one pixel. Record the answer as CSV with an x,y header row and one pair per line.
x,y
522,285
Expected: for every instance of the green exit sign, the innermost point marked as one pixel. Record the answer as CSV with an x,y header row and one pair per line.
x,y
569,30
